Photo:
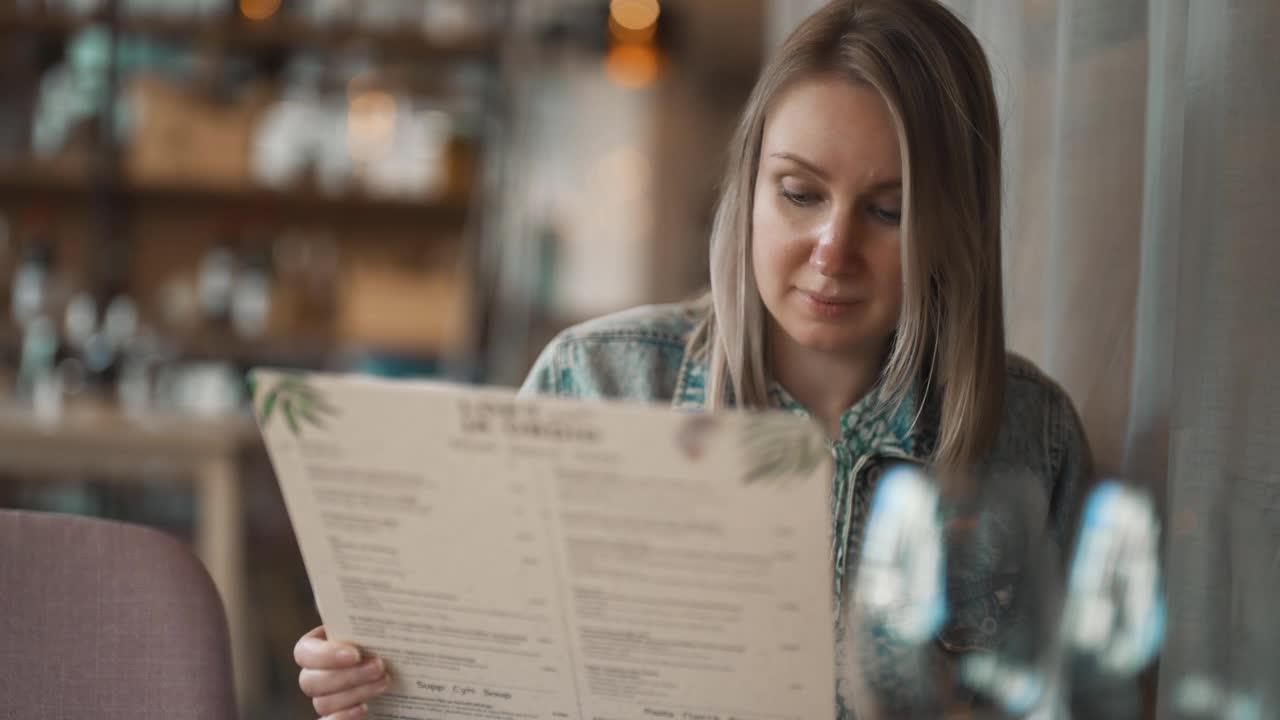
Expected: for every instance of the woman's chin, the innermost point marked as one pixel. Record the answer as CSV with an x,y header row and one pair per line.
x,y
832,340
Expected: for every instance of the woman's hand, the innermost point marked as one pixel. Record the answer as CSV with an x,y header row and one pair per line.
x,y
337,679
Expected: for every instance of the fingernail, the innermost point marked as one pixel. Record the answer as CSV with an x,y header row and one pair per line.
x,y
364,709
386,682
382,667
348,655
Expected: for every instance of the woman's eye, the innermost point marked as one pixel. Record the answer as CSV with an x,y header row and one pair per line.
x,y
891,216
800,199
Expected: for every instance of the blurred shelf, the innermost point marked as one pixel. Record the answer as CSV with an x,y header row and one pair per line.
x,y
274,351
433,214
100,437
301,352
304,352
281,34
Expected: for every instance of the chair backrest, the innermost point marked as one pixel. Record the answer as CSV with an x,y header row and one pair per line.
x,y
107,620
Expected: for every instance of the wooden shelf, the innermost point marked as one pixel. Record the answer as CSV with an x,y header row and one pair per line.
x,y
365,208
305,352
281,34
300,351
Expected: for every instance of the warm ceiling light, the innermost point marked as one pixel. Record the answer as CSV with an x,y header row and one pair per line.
x,y
626,35
259,9
634,14
632,66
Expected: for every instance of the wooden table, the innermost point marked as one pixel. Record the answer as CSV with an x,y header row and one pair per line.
x,y
100,442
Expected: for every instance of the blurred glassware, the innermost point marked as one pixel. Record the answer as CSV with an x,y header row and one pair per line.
x,y
1017,688
418,163
63,102
31,283
388,145
211,8
119,326
298,138
120,323
142,365
154,8
371,126
251,300
385,14
99,354
80,320
452,19
214,283
72,376
326,12
1201,696
205,389
901,584
46,397
280,143
35,366
1115,610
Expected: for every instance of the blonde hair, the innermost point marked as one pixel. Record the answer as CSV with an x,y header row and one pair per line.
x,y
934,77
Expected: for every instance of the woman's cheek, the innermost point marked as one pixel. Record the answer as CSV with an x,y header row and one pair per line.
x,y
770,254
780,229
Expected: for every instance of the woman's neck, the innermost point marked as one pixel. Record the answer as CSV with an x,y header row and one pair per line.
x,y
825,383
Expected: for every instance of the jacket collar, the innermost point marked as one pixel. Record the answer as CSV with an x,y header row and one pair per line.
x,y
871,426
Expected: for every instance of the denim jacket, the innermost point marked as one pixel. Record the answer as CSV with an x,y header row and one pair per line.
x,y
1002,546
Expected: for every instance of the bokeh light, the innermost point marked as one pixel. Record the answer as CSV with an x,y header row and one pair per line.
x,y
371,125
634,14
630,35
259,9
632,66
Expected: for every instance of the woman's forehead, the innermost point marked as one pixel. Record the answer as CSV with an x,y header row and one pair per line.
x,y
840,126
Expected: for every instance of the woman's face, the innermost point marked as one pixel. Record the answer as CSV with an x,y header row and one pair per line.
x,y
825,225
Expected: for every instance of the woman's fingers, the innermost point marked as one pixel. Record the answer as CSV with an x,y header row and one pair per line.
x,y
350,699
315,651
336,679
317,683
356,713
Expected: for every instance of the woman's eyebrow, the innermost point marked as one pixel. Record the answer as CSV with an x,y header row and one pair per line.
x,y
886,184
810,166
883,185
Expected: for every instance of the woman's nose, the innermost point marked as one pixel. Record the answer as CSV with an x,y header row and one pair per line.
x,y
833,251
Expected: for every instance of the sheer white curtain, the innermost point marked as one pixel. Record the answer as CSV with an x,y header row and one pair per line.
x,y
1142,270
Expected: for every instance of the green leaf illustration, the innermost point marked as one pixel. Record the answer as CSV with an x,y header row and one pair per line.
x,y
300,403
780,448
311,415
287,407
269,404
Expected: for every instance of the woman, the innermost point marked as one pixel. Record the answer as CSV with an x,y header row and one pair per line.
x,y
855,277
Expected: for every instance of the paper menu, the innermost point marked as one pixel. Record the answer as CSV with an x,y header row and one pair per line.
x,y
553,558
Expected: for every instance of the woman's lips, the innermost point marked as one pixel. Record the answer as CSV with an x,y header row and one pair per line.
x,y
826,305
